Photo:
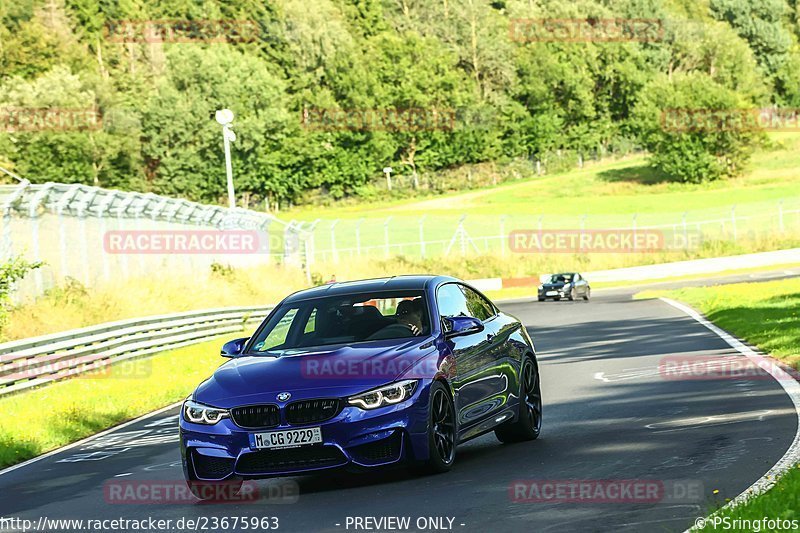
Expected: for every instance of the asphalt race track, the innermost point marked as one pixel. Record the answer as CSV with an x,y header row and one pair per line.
x,y
609,414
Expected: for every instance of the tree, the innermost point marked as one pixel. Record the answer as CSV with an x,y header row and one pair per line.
x,y
695,129
760,23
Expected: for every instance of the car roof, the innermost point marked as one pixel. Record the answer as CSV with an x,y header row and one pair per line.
x,y
412,282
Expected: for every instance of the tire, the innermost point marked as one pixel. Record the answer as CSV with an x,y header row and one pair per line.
x,y
588,294
541,299
572,294
441,430
528,424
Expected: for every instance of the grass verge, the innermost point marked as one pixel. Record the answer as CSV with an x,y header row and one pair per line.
x,y
43,419
766,315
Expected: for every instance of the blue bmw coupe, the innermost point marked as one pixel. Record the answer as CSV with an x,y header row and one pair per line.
x,y
363,374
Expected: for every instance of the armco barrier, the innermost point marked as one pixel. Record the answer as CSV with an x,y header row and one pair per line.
x,y
37,361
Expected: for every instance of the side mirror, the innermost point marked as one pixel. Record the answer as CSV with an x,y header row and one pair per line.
x,y
234,347
455,326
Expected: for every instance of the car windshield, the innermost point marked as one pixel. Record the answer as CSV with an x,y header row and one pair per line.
x,y
344,319
560,278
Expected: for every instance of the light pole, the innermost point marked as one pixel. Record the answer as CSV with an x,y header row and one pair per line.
x,y
23,181
224,117
388,172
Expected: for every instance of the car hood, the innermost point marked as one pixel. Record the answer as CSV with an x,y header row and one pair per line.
x,y
335,371
554,285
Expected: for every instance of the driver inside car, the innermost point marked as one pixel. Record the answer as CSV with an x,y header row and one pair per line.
x,y
408,318
409,313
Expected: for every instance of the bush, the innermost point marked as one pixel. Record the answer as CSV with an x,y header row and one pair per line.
x,y
11,271
688,125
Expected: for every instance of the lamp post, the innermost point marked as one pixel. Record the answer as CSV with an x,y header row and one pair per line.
x,y
22,181
224,117
388,172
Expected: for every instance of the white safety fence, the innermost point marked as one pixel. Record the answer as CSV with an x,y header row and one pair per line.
x,y
67,226
339,240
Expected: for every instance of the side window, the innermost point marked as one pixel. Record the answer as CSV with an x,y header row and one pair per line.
x,y
451,301
278,335
477,304
578,277
312,322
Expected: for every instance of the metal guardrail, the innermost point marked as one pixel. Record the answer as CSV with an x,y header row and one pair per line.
x,y
37,361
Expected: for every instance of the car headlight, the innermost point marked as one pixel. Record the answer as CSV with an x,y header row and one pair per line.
x,y
198,413
541,287
386,395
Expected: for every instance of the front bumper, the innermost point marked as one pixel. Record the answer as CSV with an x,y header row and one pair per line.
x,y
354,438
554,293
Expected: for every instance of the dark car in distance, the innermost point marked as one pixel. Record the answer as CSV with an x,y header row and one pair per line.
x,y
569,285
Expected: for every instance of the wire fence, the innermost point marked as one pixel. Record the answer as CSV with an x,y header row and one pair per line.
x,y
426,236
67,227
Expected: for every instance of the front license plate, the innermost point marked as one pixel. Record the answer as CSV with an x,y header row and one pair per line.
x,y
551,293
287,438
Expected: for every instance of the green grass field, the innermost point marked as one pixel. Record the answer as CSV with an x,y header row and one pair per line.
x,y
602,195
37,421
766,315
624,186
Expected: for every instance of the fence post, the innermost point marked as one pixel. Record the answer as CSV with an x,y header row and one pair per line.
x,y
8,248
334,251
733,222
685,229
124,256
37,256
307,261
358,236
103,229
62,241
84,245
386,236
461,231
583,227
503,235
422,236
